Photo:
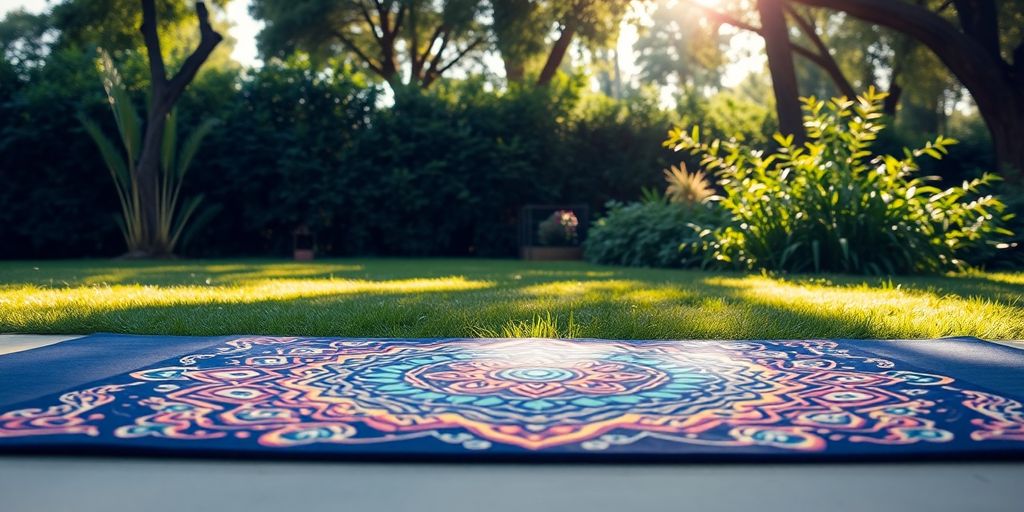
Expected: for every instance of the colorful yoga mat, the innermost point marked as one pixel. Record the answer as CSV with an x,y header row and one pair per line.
x,y
530,399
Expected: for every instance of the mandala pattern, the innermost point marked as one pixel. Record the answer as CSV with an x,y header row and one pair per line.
x,y
432,396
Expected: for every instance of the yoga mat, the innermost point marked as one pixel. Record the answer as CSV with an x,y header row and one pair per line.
x,y
521,399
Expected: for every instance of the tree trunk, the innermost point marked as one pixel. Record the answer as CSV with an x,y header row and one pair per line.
x,y
979,19
515,70
995,85
1008,142
780,64
557,53
892,101
148,173
388,59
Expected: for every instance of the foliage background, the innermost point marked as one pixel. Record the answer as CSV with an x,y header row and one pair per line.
x,y
438,173
375,170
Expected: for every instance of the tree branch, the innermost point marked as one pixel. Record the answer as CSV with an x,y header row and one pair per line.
x,y
476,42
369,22
431,67
398,19
822,58
355,49
383,14
728,19
725,18
414,39
807,53
968,59
433,74
208,40
152,40
825,59
992,85
433,37
557,53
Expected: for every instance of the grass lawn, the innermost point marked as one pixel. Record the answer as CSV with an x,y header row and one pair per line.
x,y
449,298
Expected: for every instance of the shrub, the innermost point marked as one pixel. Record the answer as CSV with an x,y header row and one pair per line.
x,y
650,233
832,205
442,172
280,159
46,158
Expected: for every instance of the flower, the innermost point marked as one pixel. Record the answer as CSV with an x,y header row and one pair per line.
x,y
559,229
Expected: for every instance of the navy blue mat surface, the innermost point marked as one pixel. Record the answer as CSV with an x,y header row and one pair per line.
x,y
532,399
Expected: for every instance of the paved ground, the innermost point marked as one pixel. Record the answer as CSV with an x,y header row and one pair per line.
x,y
55,484
10,343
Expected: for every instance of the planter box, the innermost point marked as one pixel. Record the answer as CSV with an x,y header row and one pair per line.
x,y
541,253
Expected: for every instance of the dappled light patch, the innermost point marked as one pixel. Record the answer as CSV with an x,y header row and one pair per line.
x,y
888,310
566,273
32,301
630,291
1000,277
455,298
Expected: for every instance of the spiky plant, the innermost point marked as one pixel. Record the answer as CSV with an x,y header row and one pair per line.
x,y
685,187
121,163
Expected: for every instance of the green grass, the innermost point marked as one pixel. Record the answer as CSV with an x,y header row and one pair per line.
x,y
448,298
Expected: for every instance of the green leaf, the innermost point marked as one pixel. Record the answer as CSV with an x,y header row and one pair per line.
x,y
169,143
111,156
192,144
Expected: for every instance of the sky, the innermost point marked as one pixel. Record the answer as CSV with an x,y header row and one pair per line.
x,y
744,52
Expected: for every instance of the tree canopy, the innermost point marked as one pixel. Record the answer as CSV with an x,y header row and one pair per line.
x,y
412,42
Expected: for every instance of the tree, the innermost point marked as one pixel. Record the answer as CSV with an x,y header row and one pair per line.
x,y
780,49
171,220
23,39
680,48
972,51
89,23
521,27
164,93
411,42
594,21
516,34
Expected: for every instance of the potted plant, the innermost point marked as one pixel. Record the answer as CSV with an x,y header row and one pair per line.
x,y
556,237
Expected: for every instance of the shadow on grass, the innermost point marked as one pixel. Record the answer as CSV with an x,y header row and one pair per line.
x,y
236,272
166,273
